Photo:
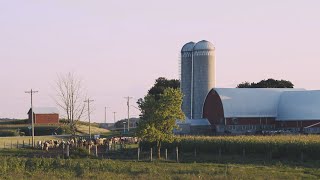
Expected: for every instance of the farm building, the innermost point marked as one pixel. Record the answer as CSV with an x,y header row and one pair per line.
x,y
44,115
193,126
241,110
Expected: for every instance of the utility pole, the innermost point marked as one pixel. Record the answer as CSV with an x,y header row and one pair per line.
x,y
88,101
114,117
128,104
32,123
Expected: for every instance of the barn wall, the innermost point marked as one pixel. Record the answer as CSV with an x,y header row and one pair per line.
x,y
251,121
213,109
46,118
296,123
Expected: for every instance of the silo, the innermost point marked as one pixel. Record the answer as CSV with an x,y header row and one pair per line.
x,y
203,75
186,77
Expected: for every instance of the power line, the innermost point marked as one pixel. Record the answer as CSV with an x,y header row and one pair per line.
x,y
32,123
88,101
128,104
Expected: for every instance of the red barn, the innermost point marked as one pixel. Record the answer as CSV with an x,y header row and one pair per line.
x,y
44,115
239,110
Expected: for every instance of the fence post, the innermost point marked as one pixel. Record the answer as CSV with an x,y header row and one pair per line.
x,y
63,150
68,150
89,149
96,150
23,144
150,154
166,152
177,154
138,153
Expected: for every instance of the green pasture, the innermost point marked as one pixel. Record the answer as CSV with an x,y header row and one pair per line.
x,y
20,141
56,168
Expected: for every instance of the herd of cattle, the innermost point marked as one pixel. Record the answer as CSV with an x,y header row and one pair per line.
x,y
82,142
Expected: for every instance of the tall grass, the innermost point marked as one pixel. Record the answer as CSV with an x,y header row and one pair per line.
x,y
49,168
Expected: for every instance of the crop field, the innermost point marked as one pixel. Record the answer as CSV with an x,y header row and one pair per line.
x,y
289,146
224,157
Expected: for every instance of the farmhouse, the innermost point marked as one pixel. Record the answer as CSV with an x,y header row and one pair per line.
x,y
239,110
44,115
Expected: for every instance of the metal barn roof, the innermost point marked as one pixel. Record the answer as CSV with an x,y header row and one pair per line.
x,y
188,47
45,110
300,105
251,102
203,45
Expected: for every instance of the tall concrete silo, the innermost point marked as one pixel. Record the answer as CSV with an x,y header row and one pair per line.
x,y
186,77
203,75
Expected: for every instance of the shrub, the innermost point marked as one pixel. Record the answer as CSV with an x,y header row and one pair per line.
x,y
8,133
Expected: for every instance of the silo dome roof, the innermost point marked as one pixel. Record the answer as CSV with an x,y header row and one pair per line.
x,y
188,47
203,45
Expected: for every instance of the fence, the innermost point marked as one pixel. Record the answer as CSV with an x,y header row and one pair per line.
x,y
177,152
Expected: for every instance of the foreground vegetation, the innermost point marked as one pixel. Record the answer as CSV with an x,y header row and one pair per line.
x,y
49,168
206,163
288,146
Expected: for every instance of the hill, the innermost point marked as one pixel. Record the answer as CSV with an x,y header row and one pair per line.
x,y
84,129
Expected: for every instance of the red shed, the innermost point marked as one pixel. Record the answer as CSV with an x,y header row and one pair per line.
x,y
44,115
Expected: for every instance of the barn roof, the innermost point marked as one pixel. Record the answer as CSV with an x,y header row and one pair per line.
x,y
44,110
251,102
300,105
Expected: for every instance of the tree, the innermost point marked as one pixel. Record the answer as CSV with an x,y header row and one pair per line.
x,y
269,83
70,98
161,84
158,116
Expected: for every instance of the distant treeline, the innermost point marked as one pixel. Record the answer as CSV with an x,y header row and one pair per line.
x,y
13,121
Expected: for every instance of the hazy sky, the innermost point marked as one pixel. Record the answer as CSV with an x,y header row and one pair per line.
x,y
119,48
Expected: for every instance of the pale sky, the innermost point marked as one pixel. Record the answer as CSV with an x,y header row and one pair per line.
x,y
119,48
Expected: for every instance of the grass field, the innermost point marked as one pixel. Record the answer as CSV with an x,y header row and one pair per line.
x,y
49,129
123,164
84,129
55,168
5,142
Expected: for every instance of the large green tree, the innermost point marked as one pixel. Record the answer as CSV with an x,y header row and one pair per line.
x,y
158,117
163,83
269,83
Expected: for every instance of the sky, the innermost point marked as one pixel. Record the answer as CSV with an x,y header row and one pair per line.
x,y
118,48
